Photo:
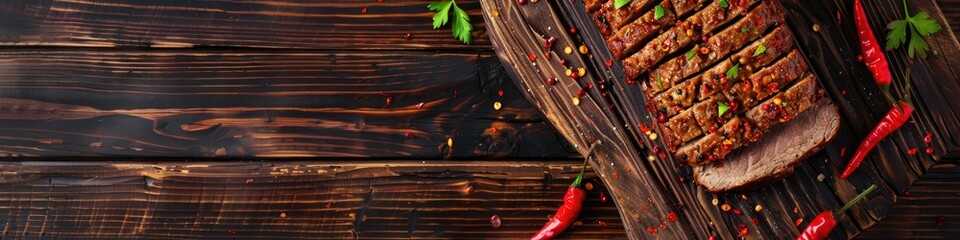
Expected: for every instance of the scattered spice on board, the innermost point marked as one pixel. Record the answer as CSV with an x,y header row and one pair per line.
x,y
495,221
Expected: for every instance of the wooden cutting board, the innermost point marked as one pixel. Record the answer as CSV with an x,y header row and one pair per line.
x,y
647,191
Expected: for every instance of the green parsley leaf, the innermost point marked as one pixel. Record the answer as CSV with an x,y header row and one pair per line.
x,y
443,12
659,82
461,21
658,12
760,50
722,108
924,25
691,53
462,26
744,29
620,3
897,34
734,72
917,46
918,26
723,4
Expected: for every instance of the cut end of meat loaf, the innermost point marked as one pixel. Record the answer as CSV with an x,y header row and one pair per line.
x,y
775,156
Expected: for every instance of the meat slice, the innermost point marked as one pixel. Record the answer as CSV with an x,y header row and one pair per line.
x,y
683,6
619,17
778,109
715,146
777,43
664,44
784,147
713,15
782,107
680,97
747,29
679,68
630,37
593,5
769,80
707,113
684,127
711,81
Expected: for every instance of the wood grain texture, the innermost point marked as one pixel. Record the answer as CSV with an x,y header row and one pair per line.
x,y
265,104
291,200
337,24
832,53
928,210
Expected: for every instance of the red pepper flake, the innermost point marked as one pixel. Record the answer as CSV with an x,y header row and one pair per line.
x,y
573,30
929,150
581,92
645,209
551,81
363,11
645,128
389,100
589,186
737,211
420,105
408,135
682,179
912,151
609,63
602,223
652,230
495,221
672,217
756,221
500,93
712,237
408,36
928,138
843,91
743,232
231,232
796,210
798,222
603,197
662,118
533,58
616,176
843,151
521,2
630,81
859,57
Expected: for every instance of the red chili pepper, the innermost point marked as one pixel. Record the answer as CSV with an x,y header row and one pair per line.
x,y
872,53
821,225
891,122
572,203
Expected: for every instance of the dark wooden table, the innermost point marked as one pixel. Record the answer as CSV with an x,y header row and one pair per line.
x,y
297,119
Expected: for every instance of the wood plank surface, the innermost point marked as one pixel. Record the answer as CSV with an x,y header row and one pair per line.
x,y
332,24
118,103
292,200
832,52
928,210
